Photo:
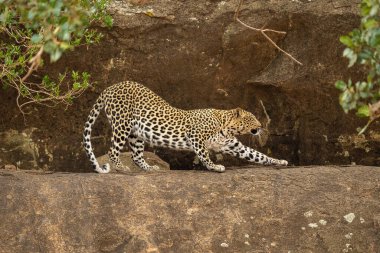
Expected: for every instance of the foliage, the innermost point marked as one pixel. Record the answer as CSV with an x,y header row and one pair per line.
x,y
30,28
363,48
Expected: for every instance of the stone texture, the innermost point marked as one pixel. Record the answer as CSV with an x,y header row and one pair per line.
x,y
19,148
256,209
194,55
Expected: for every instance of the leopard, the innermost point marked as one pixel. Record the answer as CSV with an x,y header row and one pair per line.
x,y
139,116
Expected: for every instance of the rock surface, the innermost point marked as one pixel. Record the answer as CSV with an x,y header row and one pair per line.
x,y
257,209
193,54
19,148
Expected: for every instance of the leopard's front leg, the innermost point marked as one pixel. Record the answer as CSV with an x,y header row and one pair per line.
x,y
236,148
201,151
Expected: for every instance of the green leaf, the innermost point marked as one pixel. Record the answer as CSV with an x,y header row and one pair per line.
x,y
346,40
75,75
76,42
61,77
371,23
364,8
4,16
374,38
374,10
364,95
64,45
363,111
108,20
46,82
353,59
349,53
360,86
66,35
57,8
341,85
31,14
36,38
365,55
76,86
49,47
55,55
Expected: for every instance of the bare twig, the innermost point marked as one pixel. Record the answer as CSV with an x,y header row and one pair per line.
x,y
266,115
365,127
34,63
263,135
263,32
374,112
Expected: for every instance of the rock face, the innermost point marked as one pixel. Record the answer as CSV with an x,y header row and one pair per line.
x,y
193,54
19,148
258,209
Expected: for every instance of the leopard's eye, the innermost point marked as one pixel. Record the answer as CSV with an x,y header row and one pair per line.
x,y
254,131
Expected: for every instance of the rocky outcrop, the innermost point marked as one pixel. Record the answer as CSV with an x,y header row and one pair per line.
x,y
194,55
257,209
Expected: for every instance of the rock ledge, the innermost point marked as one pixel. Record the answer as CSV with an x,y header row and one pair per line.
x,y
253,209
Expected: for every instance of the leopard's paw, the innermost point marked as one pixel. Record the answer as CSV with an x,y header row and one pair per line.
x,y
154,168
218,168
106,168
283,162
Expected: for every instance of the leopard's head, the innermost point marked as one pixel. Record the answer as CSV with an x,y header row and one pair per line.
x,y
243,122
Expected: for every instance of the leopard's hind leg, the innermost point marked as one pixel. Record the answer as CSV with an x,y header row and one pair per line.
x,y
137,147
120,132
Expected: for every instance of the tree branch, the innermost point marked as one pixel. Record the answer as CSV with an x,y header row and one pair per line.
x,y
266,115
263,32
35,62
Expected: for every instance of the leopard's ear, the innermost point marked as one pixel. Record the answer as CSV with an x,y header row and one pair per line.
x,y
238,112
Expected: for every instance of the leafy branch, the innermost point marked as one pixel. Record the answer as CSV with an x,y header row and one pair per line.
x,y
363,48
33,28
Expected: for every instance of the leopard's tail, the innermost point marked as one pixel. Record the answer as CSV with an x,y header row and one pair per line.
x,y
87,136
